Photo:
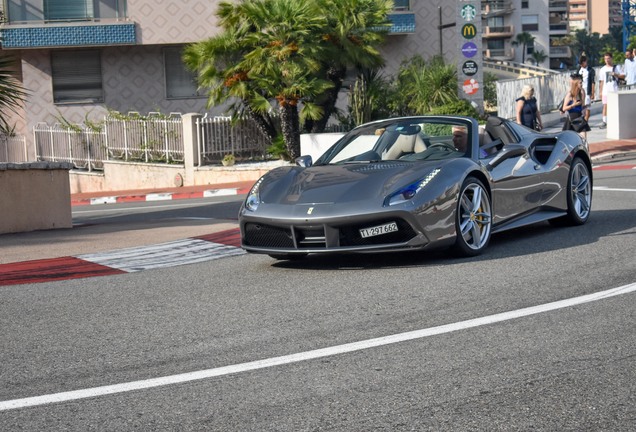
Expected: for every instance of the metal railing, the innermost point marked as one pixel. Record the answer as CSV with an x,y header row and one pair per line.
x,y
154,138
84,148
13,149
133,139
218,136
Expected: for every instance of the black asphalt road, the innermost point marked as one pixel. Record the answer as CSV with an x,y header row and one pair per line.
x,y
569,369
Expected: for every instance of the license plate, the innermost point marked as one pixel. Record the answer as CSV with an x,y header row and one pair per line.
x,y
378,230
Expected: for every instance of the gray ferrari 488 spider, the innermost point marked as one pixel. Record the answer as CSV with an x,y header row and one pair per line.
x,y
419,182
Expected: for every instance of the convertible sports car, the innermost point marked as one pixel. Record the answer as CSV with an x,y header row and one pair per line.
x,y
419,182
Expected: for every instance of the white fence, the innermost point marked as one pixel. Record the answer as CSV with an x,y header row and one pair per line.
x,y
153,138
13,149
217,136
84,148
549,91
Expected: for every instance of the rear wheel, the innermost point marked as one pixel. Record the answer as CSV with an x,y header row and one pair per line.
x,y
579,195
473,218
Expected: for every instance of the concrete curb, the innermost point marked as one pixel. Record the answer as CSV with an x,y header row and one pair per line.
x,y
162,196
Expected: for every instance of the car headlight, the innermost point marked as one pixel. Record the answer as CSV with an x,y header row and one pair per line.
x,y
408,192
254,197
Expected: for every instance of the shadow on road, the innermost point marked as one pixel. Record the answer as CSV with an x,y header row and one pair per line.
x,y
537,238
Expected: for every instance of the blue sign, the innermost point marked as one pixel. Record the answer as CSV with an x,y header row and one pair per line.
x,y
469,49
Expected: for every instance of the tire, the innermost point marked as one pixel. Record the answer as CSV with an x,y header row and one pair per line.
x,y
579,195
473,218
288,257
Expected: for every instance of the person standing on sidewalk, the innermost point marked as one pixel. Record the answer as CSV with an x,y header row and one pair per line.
x,y
528,113
573,104
607,83
589,77
630,68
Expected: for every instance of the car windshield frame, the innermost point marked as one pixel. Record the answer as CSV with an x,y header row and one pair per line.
x,y
409,139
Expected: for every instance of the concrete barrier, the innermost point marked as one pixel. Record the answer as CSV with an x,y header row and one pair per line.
x,y
621,115
35,196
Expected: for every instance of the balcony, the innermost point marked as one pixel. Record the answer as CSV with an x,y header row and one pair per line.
x,y
67,35
500,54
402,23
498,32
559,28
560,52
77,23
558,5
496,8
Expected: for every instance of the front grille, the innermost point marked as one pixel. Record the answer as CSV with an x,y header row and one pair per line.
x,y
350,234
312,237
260,235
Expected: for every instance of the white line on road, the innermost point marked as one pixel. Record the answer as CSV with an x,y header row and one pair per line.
x,y
309,355
605,188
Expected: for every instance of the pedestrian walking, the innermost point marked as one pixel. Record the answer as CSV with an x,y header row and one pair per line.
x,y
573,104
528,113
589,85
607,83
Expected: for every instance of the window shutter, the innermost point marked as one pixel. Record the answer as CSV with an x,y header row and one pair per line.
x,y
180,82
68,9
77,76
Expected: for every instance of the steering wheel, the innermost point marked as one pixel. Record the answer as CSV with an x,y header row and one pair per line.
x,y
445,146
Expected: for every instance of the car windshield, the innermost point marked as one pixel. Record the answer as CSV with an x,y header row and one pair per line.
x,y
405,139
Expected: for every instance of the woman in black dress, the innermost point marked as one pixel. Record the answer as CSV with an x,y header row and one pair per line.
x,y
528,113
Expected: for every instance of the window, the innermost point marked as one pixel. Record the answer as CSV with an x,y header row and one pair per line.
x,y
401,5
180,82
530,48
525,4
68,9
529,23
76,76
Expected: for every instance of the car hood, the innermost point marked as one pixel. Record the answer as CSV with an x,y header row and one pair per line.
x,y
331,184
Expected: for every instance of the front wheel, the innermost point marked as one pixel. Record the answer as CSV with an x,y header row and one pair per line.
x,y
473,218
579,195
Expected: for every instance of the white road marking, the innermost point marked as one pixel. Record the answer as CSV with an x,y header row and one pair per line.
x,y
133,207
162,255
309,355
605,188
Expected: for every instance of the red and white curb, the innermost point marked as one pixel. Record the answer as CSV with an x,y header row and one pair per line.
x,y
191,250
160,196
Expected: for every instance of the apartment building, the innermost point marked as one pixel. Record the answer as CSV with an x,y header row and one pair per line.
x,y
79,58
546,20
595,16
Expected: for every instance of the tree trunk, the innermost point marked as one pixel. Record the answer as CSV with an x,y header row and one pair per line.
x,y
290,125
263,122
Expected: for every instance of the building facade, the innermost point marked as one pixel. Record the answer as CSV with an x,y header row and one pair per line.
x,y
80,58
595,16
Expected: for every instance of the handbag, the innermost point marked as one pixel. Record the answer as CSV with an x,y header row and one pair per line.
x,y
579,124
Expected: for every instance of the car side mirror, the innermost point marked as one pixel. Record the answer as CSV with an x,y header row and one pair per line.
x,y
304,161
507,152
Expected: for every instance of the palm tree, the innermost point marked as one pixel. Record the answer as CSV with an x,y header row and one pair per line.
x,y
267,56
427,85
354,30
12,94
538,56
523,39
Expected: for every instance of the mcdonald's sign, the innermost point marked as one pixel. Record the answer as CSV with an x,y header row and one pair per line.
x,y
469,31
